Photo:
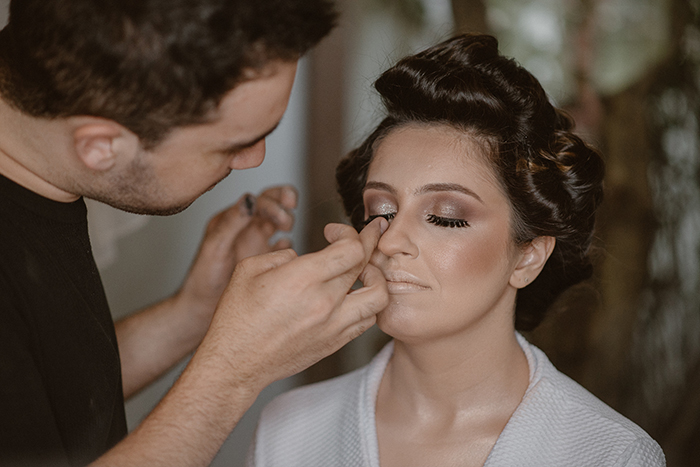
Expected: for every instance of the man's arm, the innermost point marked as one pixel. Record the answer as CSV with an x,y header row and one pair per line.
x,y
279,314
155,339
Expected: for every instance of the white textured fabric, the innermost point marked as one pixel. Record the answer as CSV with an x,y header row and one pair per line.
x,y
558,423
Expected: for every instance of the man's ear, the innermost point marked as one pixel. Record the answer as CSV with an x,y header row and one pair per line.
x,y
94,142
534,256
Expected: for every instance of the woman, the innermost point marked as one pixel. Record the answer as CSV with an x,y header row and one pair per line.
x,y
491,201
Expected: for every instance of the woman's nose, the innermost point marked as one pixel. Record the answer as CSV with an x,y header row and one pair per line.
x,y
397,240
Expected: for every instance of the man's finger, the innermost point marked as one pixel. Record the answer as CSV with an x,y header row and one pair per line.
x,y
369,236
282,244
372,297
256,265
355,330
345,257
276,204
371,277
262,228
286,195
340,263
334,232
230,221
271,210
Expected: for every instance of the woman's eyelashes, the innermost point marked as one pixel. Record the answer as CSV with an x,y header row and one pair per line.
x,y
446,221
388,216
431,218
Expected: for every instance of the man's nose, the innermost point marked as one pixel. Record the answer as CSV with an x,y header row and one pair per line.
x,y
249,157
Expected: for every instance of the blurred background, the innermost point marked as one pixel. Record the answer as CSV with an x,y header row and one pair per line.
x,y
627,70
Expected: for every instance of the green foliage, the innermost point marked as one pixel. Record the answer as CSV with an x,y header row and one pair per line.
x,y
410,12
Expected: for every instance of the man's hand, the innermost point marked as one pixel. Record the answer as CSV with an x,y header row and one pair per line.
x,y
282,313
279,314
153,340
241,231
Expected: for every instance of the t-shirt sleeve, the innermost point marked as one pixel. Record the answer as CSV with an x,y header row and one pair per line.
x,y
28,432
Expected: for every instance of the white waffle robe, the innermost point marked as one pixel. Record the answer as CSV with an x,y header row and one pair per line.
x,y
558,423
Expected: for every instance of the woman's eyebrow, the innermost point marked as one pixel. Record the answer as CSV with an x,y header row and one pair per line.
x,y
430,188
379,186
433,187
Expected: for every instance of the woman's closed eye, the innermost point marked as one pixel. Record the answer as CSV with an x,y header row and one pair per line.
x,y
446,221
388,216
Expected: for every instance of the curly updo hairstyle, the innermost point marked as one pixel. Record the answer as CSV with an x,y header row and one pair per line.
x,y
554,180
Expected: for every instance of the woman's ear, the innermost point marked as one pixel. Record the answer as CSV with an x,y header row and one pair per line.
x,y
534,256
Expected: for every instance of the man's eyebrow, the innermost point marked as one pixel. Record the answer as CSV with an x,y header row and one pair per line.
x,y
433,187
248,144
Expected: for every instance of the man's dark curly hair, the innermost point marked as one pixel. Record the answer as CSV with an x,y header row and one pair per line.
x,y
150,65
554,180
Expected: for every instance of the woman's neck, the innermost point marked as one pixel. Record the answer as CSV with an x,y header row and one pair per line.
x,y
448,400
458,373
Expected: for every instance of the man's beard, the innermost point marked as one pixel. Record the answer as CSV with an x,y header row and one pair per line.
x,y
135,191
137,208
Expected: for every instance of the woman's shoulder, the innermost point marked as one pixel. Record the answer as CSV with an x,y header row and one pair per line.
x,y
559,419
559,397
329,401
325,397
326,423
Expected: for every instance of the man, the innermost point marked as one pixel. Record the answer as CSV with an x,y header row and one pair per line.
x,y
145,105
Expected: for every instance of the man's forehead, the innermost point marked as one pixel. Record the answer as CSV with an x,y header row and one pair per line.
x,y
264,86
249,112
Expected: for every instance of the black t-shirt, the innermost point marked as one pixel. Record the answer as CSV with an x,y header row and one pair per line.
x,y
61,400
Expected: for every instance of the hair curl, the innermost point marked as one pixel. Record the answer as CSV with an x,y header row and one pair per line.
x,y
150,65
554,180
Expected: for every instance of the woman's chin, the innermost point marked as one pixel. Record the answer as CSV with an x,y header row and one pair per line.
x,y
401,324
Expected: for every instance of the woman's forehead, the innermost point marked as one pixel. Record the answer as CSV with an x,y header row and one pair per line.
x,y
433,150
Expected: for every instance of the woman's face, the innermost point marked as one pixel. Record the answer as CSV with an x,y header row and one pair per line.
x,y
448,254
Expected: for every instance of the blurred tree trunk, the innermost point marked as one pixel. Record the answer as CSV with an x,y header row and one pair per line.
x,y
606,307
666,353
598,331
626,221
595,330
470,16
325,136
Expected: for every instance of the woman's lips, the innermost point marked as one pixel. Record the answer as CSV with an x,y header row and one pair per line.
x,y
402,282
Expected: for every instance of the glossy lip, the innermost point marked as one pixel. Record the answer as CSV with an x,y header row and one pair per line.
x,y
403,282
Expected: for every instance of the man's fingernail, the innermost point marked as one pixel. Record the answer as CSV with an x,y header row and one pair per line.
x,y
249,204
383,224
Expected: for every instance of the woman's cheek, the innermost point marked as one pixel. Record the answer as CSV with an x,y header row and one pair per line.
x,y
472,256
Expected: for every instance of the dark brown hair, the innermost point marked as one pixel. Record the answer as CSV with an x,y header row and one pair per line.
x,y
150,65
551,177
